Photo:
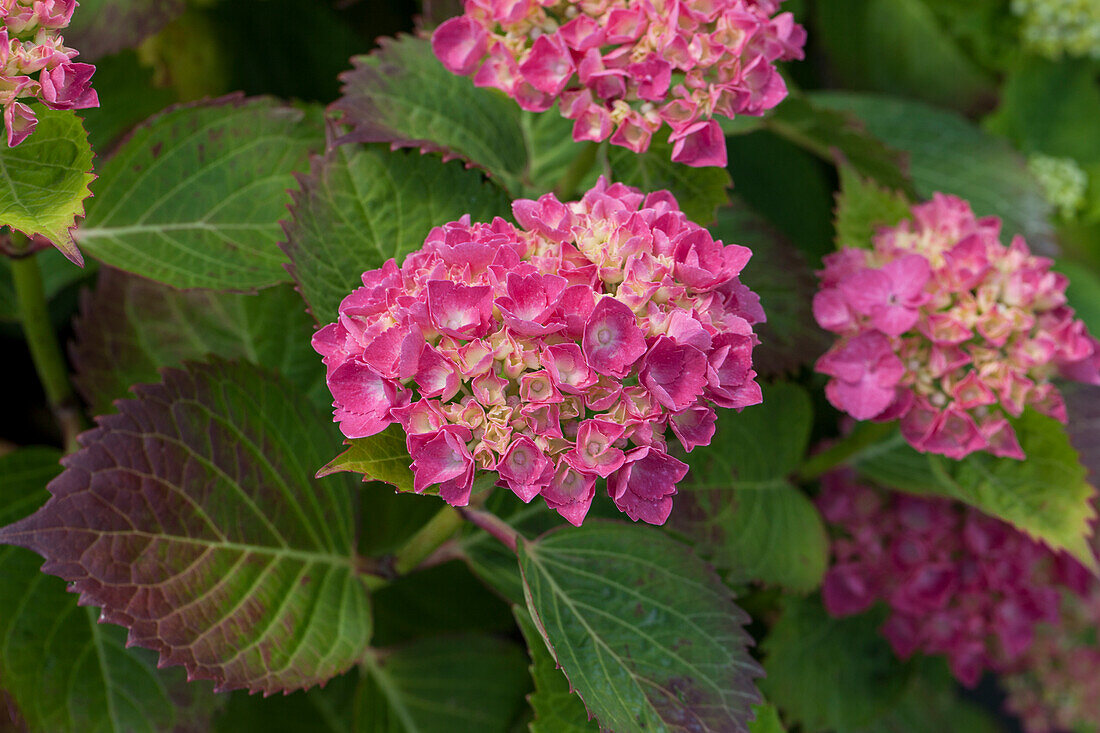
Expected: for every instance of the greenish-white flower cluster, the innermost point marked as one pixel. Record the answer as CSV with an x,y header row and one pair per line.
x,y
1055,28
1064,183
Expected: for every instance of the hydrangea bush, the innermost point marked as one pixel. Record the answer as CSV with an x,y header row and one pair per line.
x,y
563,365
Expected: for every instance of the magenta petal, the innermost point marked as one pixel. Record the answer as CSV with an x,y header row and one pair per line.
x,y
700,145
612,340
460,43
570,493
644,486
365,396
525,469
674,374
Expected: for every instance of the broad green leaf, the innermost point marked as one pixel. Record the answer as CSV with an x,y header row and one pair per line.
x,y
557,708
780,275
862,207
775,537
932,704
898,46
737,505
362,205
236,563
58,275
194,197
46,180
129,328
401,94
838,136
442,685
647,634
381,457
1046,496
766,720
102,27
699,191
830,674
551,151
759,447
1051,108
64,671
994,179
328,709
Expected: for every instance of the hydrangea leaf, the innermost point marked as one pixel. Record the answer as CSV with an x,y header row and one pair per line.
x,y
737,505
831,134
441,685
898,45
766,720
995,178
830,674
234,561
932,704
328,709
362,205
557,708
1083,405
402,95
101,687
129,327
1046,495
780,275
699,191
193,198
551,151
862,207
46,180
646,633
102,27
381,457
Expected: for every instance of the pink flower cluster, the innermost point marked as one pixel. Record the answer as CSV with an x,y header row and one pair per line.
x,y
957,582
30,44
555,354
1057,683
622,68
947,329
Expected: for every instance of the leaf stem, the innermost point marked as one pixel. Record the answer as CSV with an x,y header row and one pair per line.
x,y
494,525
862,437
45,351
427,539
566,187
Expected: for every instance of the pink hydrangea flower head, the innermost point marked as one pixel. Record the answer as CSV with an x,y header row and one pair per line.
x,y
35,64
942,326
621,69
537,351
957,582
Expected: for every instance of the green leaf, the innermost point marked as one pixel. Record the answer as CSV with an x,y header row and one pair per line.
x,y
780,275
1051,108
64,672
862,207
238,565
830,674
932,704
737,505
362,205
442,685
758,447
194,197
129,328
766,720
839,136
557,709
699,191
994,179
1083,292
898,46
47,179
330,709
646,633
381,457
401,94
102,27
551,151
1046,496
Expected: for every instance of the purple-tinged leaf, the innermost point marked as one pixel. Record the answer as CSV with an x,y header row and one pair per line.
x,y
646,633
102,27
193,519
62,671
130,327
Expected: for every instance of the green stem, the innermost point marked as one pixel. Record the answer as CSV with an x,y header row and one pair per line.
x,y
566,188
45,351
427,540
865,435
